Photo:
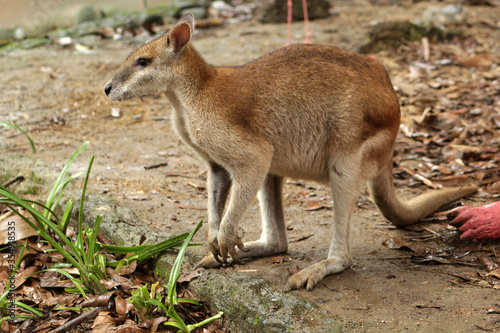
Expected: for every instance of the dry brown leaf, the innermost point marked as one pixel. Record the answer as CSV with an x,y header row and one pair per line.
x,y
468,276
452,180
103,324
143,278
301,238
191,207
314,205
493,310
478,60
12,225
493,188
22,276
495,273
98,300
153,323
128,328
190,275
405,244
488,264
433,260
102,317
120,305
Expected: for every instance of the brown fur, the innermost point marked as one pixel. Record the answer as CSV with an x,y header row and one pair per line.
x,y
304,111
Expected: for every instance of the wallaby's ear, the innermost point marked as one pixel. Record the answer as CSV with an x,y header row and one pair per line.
x,y
181,32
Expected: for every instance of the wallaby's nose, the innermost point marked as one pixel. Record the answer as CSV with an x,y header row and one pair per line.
x,y
107,89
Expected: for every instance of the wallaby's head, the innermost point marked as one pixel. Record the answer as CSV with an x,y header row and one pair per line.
x,y
151,68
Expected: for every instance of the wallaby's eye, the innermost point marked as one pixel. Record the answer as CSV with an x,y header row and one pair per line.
x,y
143,62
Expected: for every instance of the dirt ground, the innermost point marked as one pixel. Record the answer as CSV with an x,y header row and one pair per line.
x,y
57,96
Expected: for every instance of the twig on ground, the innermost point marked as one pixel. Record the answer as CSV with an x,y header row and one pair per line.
x,y
13,180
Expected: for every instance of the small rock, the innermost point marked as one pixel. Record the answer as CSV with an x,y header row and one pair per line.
x,y
11,34
63,41
116,112
198,12
221,6
89,13
449,15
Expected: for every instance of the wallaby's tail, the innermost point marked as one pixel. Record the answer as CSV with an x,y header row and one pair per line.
x,y
401,212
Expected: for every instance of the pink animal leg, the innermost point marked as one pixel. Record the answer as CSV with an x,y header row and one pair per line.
x,y
289,26
306,22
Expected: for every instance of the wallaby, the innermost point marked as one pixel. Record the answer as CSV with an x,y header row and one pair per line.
x,y
312,112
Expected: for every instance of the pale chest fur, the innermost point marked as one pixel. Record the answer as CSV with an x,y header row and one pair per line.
x,y
191,130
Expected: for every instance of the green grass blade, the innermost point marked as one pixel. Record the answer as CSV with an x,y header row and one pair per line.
x,y
79,242
147,252
75,281
123,262
172,283
9,318
205,322
124,249
97,271
183,328
75,290
61,265
92,247
63,172
29,308
67,215
188,300
138,248
176,268
178,320
162,246
62,187
101,263
158,304
19,129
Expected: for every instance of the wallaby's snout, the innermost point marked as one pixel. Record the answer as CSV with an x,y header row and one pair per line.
x,y
107,88
113,91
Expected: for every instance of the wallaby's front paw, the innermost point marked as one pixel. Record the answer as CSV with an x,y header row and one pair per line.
x,y
227,246
213,247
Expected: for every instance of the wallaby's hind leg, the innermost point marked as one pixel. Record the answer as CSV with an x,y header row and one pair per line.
x,y
273,238
345,182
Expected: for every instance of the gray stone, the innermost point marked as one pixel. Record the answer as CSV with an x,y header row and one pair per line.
x,y
11,34
38,176
89,13
198,12
448,15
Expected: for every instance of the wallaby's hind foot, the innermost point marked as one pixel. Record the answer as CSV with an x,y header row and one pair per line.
x,y
312,275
